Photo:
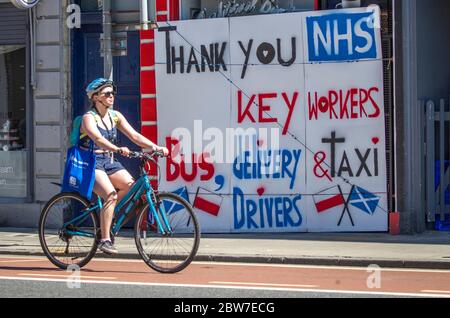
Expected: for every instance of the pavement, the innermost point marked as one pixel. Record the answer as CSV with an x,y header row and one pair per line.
x,y
429,250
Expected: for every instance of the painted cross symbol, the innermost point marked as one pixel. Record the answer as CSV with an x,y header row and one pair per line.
x,y
346,206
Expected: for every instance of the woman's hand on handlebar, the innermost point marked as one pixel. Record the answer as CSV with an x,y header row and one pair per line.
x,y
124,151
163,150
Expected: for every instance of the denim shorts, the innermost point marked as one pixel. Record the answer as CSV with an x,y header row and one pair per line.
x,y
104,164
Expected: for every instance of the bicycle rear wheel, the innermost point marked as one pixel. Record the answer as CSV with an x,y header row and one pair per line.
x,y
174,250
65,240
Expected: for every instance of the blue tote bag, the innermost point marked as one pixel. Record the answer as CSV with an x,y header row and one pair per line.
x,y
79,173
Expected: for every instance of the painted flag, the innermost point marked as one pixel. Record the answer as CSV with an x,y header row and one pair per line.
x,y
182,192
208,201
171,206
364,200
328,199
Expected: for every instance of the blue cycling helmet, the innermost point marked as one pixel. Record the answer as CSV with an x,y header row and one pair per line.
x,y
96,85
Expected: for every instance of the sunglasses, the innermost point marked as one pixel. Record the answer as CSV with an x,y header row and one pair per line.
x,y
109,94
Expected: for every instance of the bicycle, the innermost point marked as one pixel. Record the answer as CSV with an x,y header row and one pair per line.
x,y
166,230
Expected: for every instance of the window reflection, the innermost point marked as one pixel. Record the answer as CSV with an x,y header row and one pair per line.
x,y
13,141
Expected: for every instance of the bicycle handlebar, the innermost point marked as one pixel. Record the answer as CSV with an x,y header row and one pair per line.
x,y
145,155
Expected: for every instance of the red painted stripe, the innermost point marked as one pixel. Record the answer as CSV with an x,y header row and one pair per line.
x,y
161,5
148,109
148,86
174,13
150,132
207,206
147,34
161,18
148,82
332,202
147,54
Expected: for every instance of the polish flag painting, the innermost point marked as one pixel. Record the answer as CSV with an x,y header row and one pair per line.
x,y
208,201
328,199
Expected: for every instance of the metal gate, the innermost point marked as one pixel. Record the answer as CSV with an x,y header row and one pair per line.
x,y
13,24
437,162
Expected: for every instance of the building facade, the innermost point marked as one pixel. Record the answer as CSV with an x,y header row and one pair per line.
x,y
45,66
34,107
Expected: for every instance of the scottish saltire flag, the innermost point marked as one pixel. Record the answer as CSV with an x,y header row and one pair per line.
x,y
364,200
171,206
182,192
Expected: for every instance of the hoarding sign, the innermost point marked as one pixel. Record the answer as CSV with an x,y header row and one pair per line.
x,y
271,123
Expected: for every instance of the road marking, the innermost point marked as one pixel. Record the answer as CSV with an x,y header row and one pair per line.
x,y
117,260
63,276
21,261
265,284
353,268
230,287
383,269
436,291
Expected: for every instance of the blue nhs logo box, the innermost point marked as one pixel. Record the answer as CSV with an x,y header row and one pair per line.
x,y
342,37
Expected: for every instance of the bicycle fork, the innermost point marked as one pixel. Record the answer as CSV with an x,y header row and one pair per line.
x,y
163,226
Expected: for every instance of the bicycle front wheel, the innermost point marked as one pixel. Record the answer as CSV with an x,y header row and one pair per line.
x,y
170,250
67,230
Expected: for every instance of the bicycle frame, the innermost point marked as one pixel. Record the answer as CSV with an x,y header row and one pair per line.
x,y
141,186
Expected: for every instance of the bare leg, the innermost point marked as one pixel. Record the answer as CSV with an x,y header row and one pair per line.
x,y
105,189
122,181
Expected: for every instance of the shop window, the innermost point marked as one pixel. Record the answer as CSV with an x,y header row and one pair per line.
x,y
13,141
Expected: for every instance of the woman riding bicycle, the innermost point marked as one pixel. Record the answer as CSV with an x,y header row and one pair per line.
x,y
100,125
